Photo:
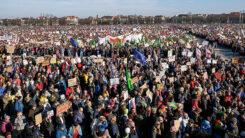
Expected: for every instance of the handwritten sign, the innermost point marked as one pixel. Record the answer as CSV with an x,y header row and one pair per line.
x,y
205,75
63,107
171,59
38,119
183,68
213,70
10,49
171,79
72,82
98,60
9,69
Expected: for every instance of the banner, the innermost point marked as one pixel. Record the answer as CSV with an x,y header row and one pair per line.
x,y
237,60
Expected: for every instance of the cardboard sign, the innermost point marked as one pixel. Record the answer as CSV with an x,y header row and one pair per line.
x,y
149,58
135,80
177,125
63,107
10,49
9,69
213,70
45,63
158,78
171,79
183,68
237,60
218,75
38,119
114,81
72,82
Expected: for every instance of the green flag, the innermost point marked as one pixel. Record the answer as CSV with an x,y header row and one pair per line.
x,y
130,84
94,42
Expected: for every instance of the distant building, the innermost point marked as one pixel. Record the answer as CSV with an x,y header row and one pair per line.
x,y
159,19
55,21
1,22
107,20
72,20
235,13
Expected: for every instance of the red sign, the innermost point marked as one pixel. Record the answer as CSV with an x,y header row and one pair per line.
x,y
218,75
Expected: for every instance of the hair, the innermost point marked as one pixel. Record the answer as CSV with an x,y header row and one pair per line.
x,y
75,128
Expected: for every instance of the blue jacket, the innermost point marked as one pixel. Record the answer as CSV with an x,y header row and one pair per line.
x,y
19,106
2,90
70,134
60,133
78,117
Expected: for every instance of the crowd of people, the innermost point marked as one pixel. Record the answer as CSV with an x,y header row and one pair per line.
x,y
226,35
167,83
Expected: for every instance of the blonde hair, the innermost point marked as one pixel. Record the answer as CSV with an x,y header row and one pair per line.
x,y
75,129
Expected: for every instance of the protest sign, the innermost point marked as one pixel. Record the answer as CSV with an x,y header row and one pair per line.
x,y
10,49
165,65
38,119
214,61
125,95
161,73
149,94
171,79
205,75
208,61
63,107
158,78
213,70
170,53
171,59
53,60
72,82
135,80
183,68
159,86
188,63
218,75
50,113
9,69
143,86
193,60
189,54
98,60
45,63
125,61
177,125
114,81
237,60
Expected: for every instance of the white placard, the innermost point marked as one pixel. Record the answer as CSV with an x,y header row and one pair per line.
x,y
114,81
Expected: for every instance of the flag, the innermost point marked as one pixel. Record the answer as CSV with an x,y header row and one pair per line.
x,y
109,43
139,57
73,42
208,53
170,39
198,53
94,42
130,84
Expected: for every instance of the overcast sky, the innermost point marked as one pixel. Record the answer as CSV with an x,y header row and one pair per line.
x,y
85,8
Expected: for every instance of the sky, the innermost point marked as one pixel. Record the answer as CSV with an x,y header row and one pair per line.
x,y
86,8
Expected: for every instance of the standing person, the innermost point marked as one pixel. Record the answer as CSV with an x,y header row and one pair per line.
x,y
75,131
47,127
19,106
7,127
19,124
61,131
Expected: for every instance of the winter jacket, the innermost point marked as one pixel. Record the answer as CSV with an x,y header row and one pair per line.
x,y
20,123
7,127
60,133
79,118
19,106
70,134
